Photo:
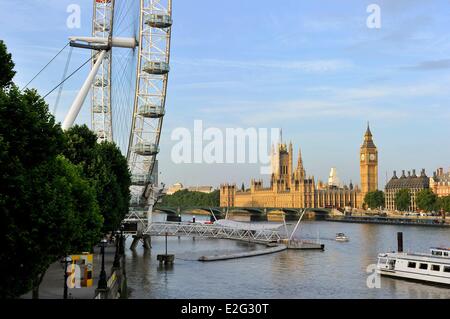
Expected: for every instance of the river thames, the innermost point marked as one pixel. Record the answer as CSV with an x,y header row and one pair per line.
x,y
338,272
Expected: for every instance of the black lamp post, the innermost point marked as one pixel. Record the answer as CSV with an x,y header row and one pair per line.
x,y
117,252
122,244
102,283
65,262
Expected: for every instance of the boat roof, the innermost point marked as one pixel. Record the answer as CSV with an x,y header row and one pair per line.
x,y
247,226
440,248
418,257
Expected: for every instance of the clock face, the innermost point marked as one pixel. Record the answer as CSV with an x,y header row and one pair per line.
x,y
372,157
363,157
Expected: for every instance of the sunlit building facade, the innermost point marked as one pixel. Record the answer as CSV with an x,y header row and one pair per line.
x,y
292,188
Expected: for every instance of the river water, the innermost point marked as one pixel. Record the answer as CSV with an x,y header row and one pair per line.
x,y
338,272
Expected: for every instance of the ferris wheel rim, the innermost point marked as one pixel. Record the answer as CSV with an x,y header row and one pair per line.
x,y
151,81
101,103
155,18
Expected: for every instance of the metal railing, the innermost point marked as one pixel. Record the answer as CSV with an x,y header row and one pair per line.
x,y
210,231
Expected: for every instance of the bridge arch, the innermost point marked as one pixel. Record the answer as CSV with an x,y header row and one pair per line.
x,y
169,210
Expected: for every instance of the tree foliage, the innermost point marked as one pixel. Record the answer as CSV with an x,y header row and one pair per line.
x,y
403,199
6,66
374,199
112,180
106,168
185,198
427,200
47,208
443,203
55,188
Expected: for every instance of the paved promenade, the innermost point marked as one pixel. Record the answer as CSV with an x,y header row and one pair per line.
x,y
52,287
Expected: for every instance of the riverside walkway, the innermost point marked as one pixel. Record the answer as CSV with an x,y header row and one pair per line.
x,y
430,222
52,286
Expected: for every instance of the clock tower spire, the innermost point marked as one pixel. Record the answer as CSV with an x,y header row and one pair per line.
x,y
368,165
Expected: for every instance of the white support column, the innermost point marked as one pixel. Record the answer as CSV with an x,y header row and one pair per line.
x,y
81,97
298,224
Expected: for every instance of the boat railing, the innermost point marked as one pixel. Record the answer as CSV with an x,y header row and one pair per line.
x,y
426,255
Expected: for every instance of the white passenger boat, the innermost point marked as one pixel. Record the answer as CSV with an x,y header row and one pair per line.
x,y
341,237
431,268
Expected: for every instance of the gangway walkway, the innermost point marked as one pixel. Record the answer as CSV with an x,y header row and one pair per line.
x,y
254,233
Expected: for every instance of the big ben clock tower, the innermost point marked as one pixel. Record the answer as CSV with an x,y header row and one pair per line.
x,y
368,166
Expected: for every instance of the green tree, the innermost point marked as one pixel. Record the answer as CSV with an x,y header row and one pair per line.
x,y
66,219
45,207
427,200
113,180
444,204
48,209
185,198
6,66
403,199
81,144
106,168
374,199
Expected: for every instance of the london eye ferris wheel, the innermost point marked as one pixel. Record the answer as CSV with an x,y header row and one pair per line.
x,y
127,83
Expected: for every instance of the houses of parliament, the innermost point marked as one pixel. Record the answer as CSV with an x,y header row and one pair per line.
x,y
291,188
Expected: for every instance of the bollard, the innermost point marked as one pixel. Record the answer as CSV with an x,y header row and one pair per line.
x,y
165,259
400,242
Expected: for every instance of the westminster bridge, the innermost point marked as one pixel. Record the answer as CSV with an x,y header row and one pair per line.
x,y
250,213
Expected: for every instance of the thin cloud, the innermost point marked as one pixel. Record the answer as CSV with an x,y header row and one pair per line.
x,y
306,66
335,102
430,65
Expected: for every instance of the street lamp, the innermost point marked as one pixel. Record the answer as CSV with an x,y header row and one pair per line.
x,y
122,244
116,263
65,262
102,283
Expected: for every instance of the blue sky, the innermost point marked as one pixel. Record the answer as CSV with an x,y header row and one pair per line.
x,y
312,68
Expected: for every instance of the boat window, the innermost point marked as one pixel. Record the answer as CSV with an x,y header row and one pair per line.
x,y
435,267
412,264
446,268
423,266
446,254
436,253
382,260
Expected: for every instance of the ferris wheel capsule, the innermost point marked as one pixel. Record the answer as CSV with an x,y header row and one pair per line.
x,y
151,111
141,180
156,67
99,109
99,82
146,149
159,21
